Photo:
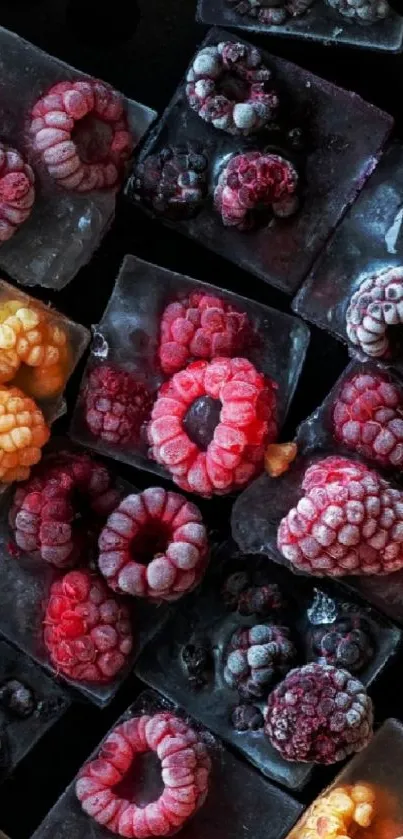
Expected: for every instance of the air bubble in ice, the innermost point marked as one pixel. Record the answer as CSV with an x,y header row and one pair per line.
x,y
100,347
323,609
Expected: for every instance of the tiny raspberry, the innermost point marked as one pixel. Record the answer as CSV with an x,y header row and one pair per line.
x,y
17,191
154,545
116,405
23,433
318,714
367,417
185,766
54,513
256,657
350,521
201,326
347,643
210,425
252,182
376,305
173,183
87,630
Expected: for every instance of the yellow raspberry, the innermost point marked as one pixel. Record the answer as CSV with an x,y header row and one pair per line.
x,y
362,793
23,433
342,802
363,814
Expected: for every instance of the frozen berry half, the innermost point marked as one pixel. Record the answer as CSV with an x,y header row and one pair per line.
x,y
17,191
154,545
87,630
210,424
116,405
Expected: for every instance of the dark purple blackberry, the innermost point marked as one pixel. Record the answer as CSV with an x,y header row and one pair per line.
x,y
172,183
17,698
347,643
201,420
256,658
198,663
270,12
362,11
247,718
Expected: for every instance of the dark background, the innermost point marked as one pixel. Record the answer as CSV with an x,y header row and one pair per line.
x,y
143,48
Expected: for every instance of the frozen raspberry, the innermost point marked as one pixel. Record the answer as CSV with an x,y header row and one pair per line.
x,y
318,714
367,417
23,433
247,718
172,183
34,351
228,86
362,11
201,326
17,191
350,521
116,405
210,425
81,131
270,12
376,305
17,698
185,769
54,513
347,643
256,657
254,182
87,630
154,545
198,662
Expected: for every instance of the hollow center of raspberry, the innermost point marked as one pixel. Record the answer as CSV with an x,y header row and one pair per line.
x,y
235,89
152,539
143,782
92,137
201,420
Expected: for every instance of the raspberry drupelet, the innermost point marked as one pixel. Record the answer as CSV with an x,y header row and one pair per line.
x,y
210,425
252,183
318,714
81,131
34,349
256,657
173,182
23,433
154,545
116,405
52,512
349,521
228,86
374,307
87,630
367,417
185,765
17,191
347,643
201,326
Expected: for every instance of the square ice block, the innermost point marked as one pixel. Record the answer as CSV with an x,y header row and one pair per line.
x,y
204,618
239,803
345,139
65,228
23,597
368,240
319,23
128,336
20,735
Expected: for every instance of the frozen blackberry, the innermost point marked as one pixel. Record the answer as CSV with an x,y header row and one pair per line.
x,y
347,643
198,663
270,12
362,11
247,718
17,698
173,183
256,657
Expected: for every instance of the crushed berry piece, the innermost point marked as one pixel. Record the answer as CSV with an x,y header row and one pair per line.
x,y
198,662
17,191
247,718
347,643
173,183
17,698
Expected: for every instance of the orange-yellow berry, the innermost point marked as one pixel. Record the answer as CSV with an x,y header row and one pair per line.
x,y
23,433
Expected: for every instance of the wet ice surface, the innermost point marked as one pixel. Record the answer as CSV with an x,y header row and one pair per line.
x,y
240,804
369,239
320,23
21,735
204,617
345,136
65,228
24,593
128,336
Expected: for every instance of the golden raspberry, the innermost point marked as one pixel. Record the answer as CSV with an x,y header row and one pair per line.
x,y
342,802
34,352
363,794
23,433
363,814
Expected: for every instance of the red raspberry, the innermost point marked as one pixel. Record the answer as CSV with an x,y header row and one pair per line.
x,y
210,425
116,405
201,326
154,545
52,512
368,418
17,191
87,630
350,521
185,766
319,714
